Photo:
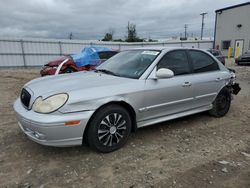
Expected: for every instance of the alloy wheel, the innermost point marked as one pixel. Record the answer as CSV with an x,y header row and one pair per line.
x,y
112,129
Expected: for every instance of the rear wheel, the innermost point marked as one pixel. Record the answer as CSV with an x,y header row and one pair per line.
x,y
221,104
109,128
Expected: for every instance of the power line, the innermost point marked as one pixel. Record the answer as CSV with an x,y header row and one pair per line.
x,y
202,23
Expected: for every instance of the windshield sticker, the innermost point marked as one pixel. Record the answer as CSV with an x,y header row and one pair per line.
x,y
150,52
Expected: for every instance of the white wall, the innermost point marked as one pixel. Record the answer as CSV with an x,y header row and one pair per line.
x,y
226,27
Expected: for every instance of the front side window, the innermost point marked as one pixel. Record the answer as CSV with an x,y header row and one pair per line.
x,y
130,63
176,61
202,62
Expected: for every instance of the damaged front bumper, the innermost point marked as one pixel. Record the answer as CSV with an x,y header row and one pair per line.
x,y
235,87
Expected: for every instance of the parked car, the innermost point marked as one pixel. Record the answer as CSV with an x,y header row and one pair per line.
x,y
88,59
218,55
133,89
243,59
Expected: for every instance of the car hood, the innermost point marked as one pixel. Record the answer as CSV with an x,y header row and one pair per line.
x,y
65,83
56,62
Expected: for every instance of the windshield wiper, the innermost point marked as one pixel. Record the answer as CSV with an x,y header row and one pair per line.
x,y
106,72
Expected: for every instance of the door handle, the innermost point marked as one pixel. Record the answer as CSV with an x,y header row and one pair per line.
x,y
186,84
218,79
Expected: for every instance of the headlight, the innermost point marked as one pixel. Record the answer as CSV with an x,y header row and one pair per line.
x,y
49,104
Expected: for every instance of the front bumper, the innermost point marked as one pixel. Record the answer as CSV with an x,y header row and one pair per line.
x,y
50,129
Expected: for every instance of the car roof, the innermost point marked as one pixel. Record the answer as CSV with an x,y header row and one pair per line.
x,y
166,48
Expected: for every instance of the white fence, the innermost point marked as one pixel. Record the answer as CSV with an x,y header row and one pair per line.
x,y
36,52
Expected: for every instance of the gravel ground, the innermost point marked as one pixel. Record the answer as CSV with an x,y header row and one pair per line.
x,y
195,151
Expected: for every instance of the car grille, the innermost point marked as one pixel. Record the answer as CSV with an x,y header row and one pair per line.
x,y
25,97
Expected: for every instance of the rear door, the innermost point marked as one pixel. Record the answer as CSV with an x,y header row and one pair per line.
x,y
207,77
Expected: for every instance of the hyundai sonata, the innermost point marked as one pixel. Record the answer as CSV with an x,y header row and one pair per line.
x,y
133,89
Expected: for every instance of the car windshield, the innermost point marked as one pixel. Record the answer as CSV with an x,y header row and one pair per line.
x,y
130,64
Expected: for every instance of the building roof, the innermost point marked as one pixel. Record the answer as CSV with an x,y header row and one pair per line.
x,y
234,6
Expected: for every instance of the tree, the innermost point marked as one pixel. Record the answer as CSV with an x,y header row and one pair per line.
x,y
70,36
109,35
152,40
132,35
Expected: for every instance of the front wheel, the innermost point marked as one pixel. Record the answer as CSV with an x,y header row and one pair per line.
x,y
109,128
221,104
69,70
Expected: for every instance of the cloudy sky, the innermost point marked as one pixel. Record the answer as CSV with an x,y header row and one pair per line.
x,y
91,19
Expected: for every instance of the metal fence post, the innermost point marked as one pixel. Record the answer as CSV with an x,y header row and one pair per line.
x,y
198,44
60,48
23,54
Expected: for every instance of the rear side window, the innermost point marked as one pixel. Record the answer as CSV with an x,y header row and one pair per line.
x,y
202,62
176,61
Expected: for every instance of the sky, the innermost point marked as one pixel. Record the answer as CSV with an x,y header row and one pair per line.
x,y
156,19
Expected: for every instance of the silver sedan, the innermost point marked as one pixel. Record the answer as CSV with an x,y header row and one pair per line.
x,y
133,89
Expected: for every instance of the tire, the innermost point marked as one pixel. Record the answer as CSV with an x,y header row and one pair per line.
x,y
69,70
109,129
221,104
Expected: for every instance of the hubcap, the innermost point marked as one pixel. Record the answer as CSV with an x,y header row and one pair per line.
x,y
112,129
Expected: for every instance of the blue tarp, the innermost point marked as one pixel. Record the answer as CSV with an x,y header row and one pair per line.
x,y
88,56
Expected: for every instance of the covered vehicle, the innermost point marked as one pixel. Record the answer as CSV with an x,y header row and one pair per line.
x,y
218,55
243,59
88,59
133,89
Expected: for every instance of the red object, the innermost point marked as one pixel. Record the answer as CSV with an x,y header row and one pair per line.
x,y
51,67
70,66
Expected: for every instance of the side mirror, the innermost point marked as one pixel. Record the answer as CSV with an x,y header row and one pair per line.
x,y
164,73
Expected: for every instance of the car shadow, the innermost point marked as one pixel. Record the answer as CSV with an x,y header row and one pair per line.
x,y
141,133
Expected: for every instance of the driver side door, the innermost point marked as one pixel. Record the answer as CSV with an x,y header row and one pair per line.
x,y
163,97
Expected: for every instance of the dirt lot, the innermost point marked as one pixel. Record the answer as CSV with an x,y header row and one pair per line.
x,y
195,151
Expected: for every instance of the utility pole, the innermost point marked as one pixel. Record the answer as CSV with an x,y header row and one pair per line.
x,y
128,29
186,26
202,24
70,36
